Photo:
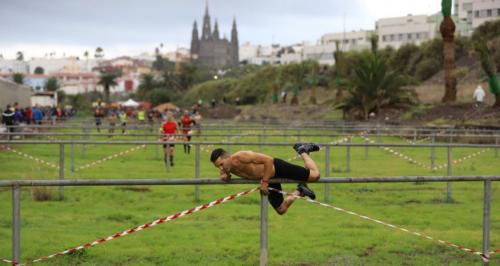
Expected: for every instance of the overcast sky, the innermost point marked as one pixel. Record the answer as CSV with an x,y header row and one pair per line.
x,y
123,27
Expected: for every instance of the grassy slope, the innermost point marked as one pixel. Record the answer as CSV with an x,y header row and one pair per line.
x,y
229,234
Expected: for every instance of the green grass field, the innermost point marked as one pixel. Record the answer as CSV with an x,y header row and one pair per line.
x,y
229,234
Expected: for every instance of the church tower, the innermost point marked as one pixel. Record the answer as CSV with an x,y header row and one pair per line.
x,y
206,32
234,45
215,35
195,42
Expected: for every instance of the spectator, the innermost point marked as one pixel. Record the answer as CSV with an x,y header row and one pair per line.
x,y
112,123
37,115
479,96
213,102
237,100
8,120
28,115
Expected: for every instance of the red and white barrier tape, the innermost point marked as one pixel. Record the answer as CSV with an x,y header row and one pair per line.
x,y
482,255
399,154
37,160
142,227
113,156
463,159
8,261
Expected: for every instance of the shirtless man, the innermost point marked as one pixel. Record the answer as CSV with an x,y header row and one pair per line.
x,y
258,166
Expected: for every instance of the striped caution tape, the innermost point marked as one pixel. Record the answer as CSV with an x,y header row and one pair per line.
x,y
484,257
141,227
30,157
399,154
463,159
110,157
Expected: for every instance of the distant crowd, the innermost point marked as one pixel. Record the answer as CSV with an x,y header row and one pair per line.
x,y
14,114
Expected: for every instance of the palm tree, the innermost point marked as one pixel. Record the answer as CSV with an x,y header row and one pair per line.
x,y
19,56
148,83
313,81
488,66
447,29
186,76
52,84
372,86
18,78
99,53
108,80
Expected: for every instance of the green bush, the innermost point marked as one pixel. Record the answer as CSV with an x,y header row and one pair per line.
x,y
427,68
255,87
213,89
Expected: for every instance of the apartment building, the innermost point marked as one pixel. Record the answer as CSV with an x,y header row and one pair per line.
x,y
409,29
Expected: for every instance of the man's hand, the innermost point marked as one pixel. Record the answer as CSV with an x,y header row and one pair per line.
x,y
225,177
264,190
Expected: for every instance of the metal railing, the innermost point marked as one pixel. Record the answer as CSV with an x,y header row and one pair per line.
x,y
17,184
197,144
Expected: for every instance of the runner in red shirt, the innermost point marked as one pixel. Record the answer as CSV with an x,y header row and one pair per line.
x,y
169,129
186,122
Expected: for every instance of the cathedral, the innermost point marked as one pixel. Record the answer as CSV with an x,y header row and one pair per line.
x,y
210,49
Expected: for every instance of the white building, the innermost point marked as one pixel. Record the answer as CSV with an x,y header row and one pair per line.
x,y
484,10
53,65
323,53
348,41
247,51
409,29
13,66
475,12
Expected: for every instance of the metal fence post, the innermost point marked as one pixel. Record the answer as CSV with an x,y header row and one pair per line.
x,y
348,156
433,153
72,167
16,224
327,172
157,153
448,186
496,149
263,230
260,142
486,218
366,149
61,170
197,171
85,137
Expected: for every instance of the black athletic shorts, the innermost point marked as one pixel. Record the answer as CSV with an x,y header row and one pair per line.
x,y
286,170
171,145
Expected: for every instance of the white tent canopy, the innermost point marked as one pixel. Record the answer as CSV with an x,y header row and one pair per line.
x,y
130,103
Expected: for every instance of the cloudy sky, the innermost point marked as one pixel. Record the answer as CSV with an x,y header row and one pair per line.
x,y
120,27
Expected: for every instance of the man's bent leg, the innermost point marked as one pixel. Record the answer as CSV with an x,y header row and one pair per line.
x,y
287,203
311,165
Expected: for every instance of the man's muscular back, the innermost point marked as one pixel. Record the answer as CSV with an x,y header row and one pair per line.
x,y
250,165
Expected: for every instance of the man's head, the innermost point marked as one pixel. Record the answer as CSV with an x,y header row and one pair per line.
x,y
220,158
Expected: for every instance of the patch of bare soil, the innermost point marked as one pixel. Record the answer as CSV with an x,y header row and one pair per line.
x,y
462,114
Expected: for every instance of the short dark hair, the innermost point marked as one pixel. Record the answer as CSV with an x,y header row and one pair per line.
x,y
216,154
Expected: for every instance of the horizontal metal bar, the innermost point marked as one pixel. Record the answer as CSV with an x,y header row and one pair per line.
x,y
216,181
242,135
126,142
